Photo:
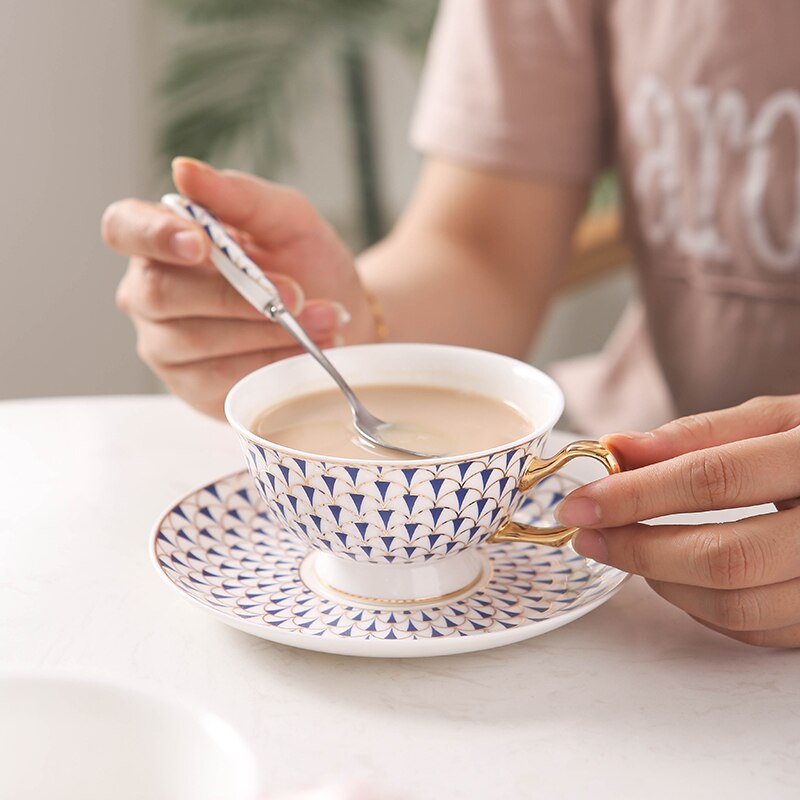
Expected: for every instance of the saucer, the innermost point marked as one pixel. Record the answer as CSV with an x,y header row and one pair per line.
x,y
221,548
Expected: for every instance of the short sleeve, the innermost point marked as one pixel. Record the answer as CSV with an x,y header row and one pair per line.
x,y
514,85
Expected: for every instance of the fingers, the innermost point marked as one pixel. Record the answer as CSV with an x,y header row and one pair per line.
x,y
777,637
741,579
275,225
268,211
205,384
193,339
158,292
134,227
734,555
748,472
757,609
758,417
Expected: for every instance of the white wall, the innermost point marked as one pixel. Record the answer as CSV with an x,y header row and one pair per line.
x,y
77,132
73,136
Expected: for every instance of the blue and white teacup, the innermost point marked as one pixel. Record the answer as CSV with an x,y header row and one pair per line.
x,y
404,532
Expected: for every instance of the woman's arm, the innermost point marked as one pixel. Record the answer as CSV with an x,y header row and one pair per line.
x,y
475,257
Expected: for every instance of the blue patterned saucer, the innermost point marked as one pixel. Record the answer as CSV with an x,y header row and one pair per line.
x,y
222,549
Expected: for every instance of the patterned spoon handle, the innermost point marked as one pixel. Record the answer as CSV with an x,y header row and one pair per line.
x,y
228,257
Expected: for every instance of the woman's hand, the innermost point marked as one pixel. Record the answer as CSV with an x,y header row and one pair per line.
x,y
739,578
193,329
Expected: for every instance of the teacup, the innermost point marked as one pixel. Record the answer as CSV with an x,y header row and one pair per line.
x,y
383,532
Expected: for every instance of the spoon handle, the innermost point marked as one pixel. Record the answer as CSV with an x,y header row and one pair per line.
x,y
247,278
241,271
292,326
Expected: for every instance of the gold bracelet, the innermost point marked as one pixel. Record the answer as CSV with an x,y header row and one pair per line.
x,y
378,317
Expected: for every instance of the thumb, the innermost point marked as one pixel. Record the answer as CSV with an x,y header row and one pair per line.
x,y
269,212
758,417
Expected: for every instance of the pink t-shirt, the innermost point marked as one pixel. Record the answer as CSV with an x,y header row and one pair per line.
x,y
697,104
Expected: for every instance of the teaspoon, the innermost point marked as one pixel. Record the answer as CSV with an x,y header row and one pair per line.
x,y
247,278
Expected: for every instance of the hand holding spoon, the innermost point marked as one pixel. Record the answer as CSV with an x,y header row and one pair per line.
x,y
247,278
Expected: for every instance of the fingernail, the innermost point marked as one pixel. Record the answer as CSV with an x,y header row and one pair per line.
x,y
577,512
634,435
591,544
292,295
193,162
343,316
186,245
321,317
338,340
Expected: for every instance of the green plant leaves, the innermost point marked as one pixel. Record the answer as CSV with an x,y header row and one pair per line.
x,y
234,77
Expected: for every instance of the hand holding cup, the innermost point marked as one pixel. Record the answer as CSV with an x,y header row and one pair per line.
x,y
739,578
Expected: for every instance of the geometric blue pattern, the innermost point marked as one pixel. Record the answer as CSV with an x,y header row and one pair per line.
x,y
388,514
223,548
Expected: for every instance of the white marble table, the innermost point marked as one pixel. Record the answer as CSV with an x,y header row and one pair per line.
x,y
634,700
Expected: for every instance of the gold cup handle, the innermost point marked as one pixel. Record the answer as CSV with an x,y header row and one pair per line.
x,y
537,471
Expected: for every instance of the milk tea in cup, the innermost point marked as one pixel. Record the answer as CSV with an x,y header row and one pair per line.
x,y
430,419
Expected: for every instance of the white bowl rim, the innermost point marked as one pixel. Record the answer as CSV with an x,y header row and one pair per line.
x,y
201,716
538,431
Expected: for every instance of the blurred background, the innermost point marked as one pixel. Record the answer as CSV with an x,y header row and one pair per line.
x,y
98,96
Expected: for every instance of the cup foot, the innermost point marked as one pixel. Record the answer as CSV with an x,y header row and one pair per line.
x,y
395,585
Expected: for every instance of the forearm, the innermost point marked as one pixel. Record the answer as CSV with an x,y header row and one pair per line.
x,y
437,289
475,259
